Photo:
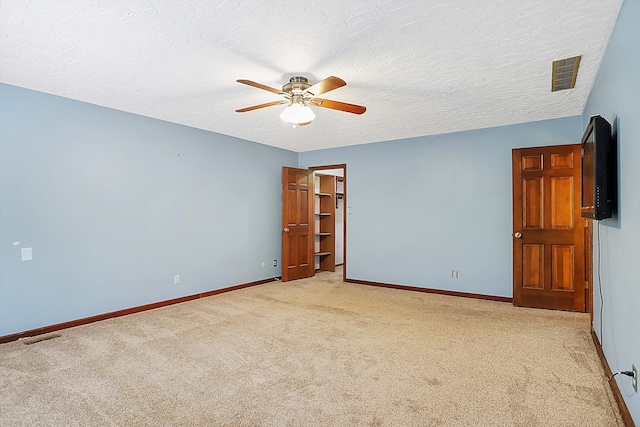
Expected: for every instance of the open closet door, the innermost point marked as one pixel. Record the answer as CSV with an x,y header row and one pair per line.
x,y
297,224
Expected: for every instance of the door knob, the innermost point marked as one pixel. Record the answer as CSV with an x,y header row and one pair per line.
x,y
286,229
518,235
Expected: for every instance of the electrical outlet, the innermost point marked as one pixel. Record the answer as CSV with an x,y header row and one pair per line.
x,y
275,262
176,279
454,274
634,380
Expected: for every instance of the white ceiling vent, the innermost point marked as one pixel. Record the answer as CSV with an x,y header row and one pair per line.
x,y
564,73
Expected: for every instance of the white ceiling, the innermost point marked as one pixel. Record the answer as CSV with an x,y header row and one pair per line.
x,y
420,67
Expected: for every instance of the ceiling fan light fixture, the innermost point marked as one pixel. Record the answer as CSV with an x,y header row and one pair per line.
x,y
299,94
297,112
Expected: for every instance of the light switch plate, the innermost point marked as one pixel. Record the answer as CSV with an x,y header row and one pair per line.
x,y
26,254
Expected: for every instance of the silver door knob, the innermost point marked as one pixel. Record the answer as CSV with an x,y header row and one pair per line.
x,y
286,229
518,235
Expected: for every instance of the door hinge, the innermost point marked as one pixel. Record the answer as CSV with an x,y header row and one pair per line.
x,y
586,285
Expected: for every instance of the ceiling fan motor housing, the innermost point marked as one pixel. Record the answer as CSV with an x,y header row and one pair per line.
x,y
296,85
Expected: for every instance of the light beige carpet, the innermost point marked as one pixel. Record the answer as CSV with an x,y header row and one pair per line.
x,y
313,352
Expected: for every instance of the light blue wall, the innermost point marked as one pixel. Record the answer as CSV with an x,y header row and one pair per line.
x,y
114,204
616,96
422,207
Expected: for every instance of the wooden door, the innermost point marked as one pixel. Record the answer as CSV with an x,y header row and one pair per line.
x,y
548,243
297,224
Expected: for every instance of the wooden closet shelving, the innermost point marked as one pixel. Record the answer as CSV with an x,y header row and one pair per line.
x,y
325,222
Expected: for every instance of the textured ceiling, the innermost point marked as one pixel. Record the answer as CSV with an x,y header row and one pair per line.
x,y
420,67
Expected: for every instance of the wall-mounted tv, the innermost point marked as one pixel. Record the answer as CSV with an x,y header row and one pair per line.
x,y
598,170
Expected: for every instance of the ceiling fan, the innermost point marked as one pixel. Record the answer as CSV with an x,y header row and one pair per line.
x,y
299,94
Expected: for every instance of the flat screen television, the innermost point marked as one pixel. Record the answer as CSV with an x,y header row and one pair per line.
x,y
598,170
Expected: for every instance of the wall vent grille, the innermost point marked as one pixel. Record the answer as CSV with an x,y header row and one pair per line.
x,y
41,338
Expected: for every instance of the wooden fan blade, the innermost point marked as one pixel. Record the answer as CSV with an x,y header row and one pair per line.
x,y
261,86
330,83
342,106
255,107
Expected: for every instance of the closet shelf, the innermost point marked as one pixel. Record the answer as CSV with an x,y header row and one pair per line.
x,y
325,222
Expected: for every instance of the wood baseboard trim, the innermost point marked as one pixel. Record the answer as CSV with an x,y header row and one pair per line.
x,y
624,411
126,311
431,291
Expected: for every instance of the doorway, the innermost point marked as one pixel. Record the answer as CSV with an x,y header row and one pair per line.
x,y
313,220
549,237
